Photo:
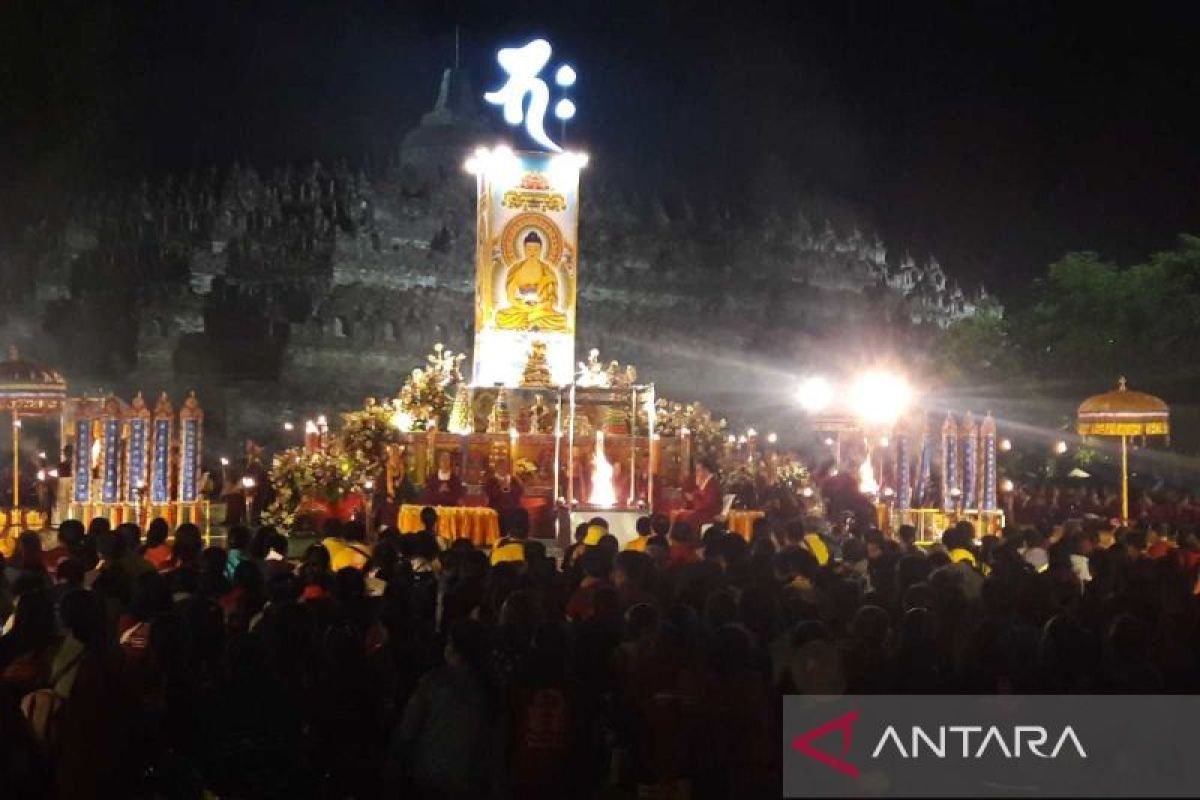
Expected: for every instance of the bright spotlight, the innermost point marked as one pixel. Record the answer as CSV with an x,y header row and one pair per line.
x,y
880,397
1060,447
1006,486
814,394
1005,445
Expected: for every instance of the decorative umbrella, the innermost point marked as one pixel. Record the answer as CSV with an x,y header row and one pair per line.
x,y
1123,413
29,390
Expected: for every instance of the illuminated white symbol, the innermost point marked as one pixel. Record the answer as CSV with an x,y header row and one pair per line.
x,y
564,109
524,66
565,77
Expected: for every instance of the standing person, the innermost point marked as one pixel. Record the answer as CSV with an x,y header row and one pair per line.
x,y
239,543
443,487
704,500
64,484
444,734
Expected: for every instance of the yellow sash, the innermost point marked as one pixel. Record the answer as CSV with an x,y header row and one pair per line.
x,y
816,545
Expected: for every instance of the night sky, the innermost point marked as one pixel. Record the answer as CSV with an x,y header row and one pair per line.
x,y
994,135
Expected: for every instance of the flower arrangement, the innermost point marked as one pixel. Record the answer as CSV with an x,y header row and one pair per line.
x,y
594,374
525,468
792,474
297,475
359,451
708,434
365,436
425,398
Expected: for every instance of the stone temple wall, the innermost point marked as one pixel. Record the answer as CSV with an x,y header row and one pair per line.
x,y
279,295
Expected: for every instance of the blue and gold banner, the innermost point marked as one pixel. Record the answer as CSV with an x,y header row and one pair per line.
x,y
924,467
950,478
191,428
139,442
903,483
82,469
160,466
988,432
189,468
970,470
111,471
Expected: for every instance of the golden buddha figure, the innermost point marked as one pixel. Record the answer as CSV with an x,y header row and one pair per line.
x,y
532,291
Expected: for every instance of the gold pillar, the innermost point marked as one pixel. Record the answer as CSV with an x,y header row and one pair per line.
x,y
1124,478
16,433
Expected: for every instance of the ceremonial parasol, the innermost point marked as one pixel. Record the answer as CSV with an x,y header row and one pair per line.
x,y
1123,413
30,390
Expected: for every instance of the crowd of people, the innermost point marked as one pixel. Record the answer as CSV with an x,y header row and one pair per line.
x,y
148,664
1051,505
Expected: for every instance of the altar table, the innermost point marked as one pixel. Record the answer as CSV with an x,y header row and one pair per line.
x,y
742,522
479,524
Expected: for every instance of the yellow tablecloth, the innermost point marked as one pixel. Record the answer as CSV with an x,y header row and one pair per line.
x,y
480,525
742,522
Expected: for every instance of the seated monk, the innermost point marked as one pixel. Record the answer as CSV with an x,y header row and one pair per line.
x,y
443,487
503,490
532,292
704,499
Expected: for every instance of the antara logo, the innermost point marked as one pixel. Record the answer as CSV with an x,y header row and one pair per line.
x,y
945,741
845,724
991,740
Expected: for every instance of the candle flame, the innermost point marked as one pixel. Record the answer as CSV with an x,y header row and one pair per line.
x,y
866,478
603,495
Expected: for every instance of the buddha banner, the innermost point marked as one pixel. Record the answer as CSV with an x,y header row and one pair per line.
x,y
526,266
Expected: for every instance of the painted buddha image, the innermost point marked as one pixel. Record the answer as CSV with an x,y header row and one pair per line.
x,y
532,291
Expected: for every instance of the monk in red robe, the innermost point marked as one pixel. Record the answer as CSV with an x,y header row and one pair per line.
x,y
704,499
503,490
443,487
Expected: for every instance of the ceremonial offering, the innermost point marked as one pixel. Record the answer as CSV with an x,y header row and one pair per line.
x,y
537,368
499,421
616,421
541,418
